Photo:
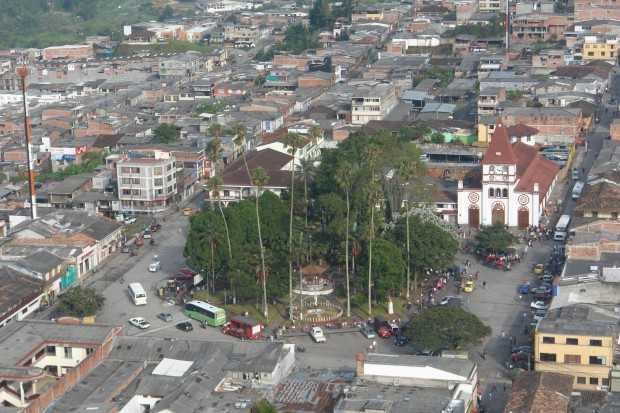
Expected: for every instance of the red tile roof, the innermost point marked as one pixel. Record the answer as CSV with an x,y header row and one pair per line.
x,y
521,130
540,392
541,171
500,149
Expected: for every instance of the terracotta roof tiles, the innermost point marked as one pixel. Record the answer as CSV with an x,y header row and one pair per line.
x,y
499,150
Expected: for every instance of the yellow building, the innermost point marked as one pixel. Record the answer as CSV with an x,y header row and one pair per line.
x,y
579,340
600,48
486,128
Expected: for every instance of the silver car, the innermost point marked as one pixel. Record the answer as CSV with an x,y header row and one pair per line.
x,y
367,331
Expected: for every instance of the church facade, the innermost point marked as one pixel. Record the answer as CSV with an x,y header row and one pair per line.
x,y
511,188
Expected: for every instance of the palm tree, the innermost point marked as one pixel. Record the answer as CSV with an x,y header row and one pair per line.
x,y
240,141
307,172
371,160
214,153
293,141
259,180
213,185
344,178
406,171
315,133
216,130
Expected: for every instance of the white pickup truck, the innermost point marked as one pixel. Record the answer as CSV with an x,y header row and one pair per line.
x,y
317,335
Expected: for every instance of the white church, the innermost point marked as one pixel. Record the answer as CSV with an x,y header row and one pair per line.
x,y
512,187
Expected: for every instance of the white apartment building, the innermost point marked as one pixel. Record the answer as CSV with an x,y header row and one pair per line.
x,y
372,101
147,181
491,5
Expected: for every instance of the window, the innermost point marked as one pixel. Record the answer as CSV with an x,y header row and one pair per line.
x,y
68,352
597,343
597,360
491,193
159,181
581,380
547,356
125,170
590,53
594,380
51,350
572,341
549,340
605,382
24,310
505,193
594,214
168,167
157,170
614,215
572,358
126,181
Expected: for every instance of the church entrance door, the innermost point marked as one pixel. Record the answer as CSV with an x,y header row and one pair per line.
x,y
523,218
497,214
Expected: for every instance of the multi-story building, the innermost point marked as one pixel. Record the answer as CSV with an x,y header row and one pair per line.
x,y
70,51
596,10
372,101
579,340
491,5
242,34
600,47
147,181
555,125
533,27
490,99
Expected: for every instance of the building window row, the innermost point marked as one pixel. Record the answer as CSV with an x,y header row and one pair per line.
x,y
498,193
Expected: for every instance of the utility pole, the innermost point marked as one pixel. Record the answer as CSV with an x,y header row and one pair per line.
x,y
22,72
507,24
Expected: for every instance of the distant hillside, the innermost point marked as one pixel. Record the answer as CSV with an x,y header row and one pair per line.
x,y
41,23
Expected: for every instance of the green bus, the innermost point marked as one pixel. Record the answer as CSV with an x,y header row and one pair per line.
x,y
205,312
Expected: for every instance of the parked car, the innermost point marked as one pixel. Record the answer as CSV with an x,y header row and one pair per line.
x,y
185,326
147,234
522,349
188,212
167,317
539,305
317,335
539,315
400,340
382,327
524,288
468,286
130,220
125,249
154,266
139,322
367,331
546,278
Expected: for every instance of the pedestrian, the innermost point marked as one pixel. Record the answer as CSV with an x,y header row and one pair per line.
x,y
484,284
477,275
504,387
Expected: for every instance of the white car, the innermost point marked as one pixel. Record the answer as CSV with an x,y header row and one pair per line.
x,y
139,322
317,335
130,220
154,266
539,305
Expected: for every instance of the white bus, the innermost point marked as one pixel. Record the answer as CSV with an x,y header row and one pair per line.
x,y
577,190
561,228
137,293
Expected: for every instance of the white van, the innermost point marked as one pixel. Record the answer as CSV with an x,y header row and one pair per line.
x,y
137,293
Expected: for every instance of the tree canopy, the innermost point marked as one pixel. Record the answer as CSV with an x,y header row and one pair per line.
x,y
441,326
80,302
165,133
299,38
494,238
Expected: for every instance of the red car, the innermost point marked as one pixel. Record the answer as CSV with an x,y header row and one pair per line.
x,y
382,327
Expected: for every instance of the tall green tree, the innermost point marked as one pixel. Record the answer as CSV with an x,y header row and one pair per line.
x,y
166,133
216,130
259,180
80,302
441,326
388,268
373,196
494,238
345,181
430,245
293,142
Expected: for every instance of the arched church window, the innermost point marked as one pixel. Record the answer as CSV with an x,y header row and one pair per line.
x,y
491,193
505,193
